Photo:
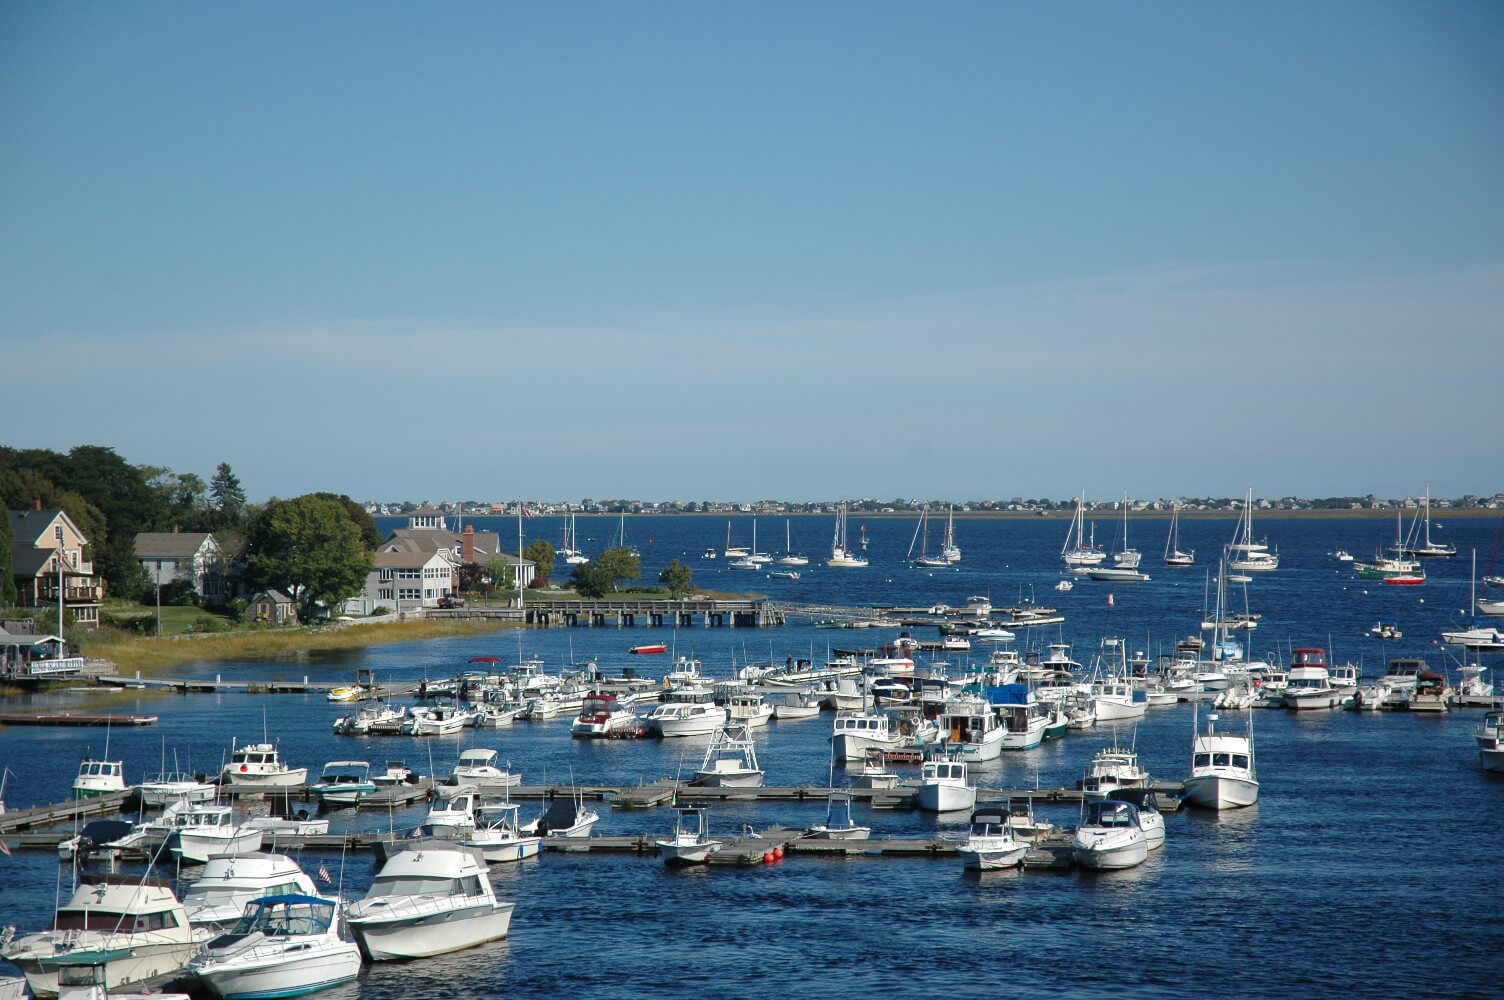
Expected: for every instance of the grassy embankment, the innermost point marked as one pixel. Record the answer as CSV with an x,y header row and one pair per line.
x,y
152,655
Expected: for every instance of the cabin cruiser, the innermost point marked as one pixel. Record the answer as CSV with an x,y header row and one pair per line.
x,y
972,729
438,720
1110,836
1113,768
600,716
283,946
431,898
1118,700
797,705
1431,693
139,917
1223,771
690,843
219,896
476,771
498,834
944,787
1309,684
838,823
694,718
98,777
1481,639
344,783
452,817
1150,819
855,733
991,845
259,765
174,786
379,718
730,760
1022,718
748,710
849,696
1490,738
209,829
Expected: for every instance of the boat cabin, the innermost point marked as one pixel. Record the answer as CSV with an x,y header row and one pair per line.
x,y
280,916
944,770
1110,813
1313,657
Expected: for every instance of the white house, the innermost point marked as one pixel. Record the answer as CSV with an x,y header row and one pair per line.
x,y
186,555
406,581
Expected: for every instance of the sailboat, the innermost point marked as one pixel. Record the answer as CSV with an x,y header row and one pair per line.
x,y
948,550
571,550
789,558
1126,557
1173,555
1423,547
755,557
1480,638
1077,551
922,539
841,556
1245,554
733,551
622,536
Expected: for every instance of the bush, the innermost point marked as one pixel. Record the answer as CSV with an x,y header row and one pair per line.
x,y
236,609
381,609
180,593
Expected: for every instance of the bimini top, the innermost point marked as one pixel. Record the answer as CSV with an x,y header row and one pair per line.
x,y
1110,812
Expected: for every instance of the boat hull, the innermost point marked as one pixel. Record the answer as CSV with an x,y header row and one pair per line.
x,y
505,851
946,798
1111,853
283,779
283,977
986,859
436,934
687,854
1492,760
1112,710
1331,698
854,745
197,848
712,779
146,961
1218,791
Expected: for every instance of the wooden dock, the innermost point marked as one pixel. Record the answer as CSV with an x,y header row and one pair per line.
x,y
204,685
74,719
65,812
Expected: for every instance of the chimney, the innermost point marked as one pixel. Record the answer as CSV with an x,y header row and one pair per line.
x,y
39,503
469,537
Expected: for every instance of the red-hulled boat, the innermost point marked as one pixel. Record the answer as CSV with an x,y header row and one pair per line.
x,y
651,648
1407,580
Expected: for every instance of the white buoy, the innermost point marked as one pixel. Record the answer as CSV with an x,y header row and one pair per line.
x,y
1109,601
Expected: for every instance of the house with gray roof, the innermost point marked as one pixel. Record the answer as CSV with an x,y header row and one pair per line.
x,y
196,556
47,561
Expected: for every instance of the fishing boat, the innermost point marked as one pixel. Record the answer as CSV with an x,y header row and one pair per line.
x,y
944,786
1386,631
838,823
138,920
477,770
854,733
431,898
797,705
450,818
1224,774
973,729
498,834
1246,555
1411,579
99,777
841,554
167,787
283,946
748,710
1110,836
218,897
873,772
259,765
1174,555
990,845
690,843
344,783
207,829
602,715
730,760
1114,768
1490,737
1078,551
1341,555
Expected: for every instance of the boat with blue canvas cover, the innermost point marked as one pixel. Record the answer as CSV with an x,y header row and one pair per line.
x,y
284,946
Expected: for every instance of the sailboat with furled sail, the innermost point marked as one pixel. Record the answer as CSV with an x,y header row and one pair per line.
x,y
949,551
1077,551
571,550
922,540
841,556
790,557
1245,555
1422,547
1174,556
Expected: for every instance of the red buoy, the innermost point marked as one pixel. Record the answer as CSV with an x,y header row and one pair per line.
x,y
778,853
767,858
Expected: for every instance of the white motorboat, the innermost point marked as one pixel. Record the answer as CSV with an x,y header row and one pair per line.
x,y
1481,639
1150,819
601,716
973,730
344,783
696,718
209,829
376,718
293,827
283,946
991,845
1116,574
439,720
1110,836
841,554
855,733
564,818
690,843
81,976
98,777
1113,768
259,765
1490,738
1022,718
1064,586
797,705
1223,770
431,898
730,760
174,786
219,896
138,917
451,818
498,834
748,710
1024,824
476,770
838,823
1308,683
1080,710
873,773
944,786
491,716
849,696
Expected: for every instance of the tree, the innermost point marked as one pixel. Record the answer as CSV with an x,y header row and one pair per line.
x,y
21,488
542,555
501,573
186,497
226,492
364,521
309,548
7,578
678,578
592,579
619,564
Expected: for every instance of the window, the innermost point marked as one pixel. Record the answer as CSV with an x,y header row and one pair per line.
x,y
1240,760
1203,760
1221,760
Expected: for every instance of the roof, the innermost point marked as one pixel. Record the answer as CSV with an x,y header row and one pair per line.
x,y
27,526
170,544
275,595
487,543
28,561
406,559
425,512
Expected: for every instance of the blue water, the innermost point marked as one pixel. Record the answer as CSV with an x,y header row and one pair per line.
x,y
1369,867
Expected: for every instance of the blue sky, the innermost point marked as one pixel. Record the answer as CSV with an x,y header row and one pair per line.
x,y
761,250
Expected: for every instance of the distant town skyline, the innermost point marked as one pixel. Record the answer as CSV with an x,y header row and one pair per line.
x,y
670,249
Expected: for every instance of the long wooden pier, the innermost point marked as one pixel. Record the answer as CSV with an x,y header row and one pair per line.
x,y
627,613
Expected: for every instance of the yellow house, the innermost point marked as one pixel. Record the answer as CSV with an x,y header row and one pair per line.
x,y
47,553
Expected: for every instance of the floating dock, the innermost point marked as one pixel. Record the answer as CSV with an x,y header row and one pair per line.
x,y
74,719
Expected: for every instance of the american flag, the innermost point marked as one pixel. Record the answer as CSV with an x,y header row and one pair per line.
x,y
324,876
526,510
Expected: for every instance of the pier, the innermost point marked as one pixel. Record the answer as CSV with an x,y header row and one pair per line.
x,y
628,613
74,719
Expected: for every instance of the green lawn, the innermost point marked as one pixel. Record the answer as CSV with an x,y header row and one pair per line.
x,y
176,620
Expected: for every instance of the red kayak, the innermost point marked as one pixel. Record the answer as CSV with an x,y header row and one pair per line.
x,y
658,648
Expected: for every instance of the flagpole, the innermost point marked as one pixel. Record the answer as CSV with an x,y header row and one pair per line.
x,y
517,570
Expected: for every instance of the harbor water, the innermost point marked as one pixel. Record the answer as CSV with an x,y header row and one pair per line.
x,y
1369,867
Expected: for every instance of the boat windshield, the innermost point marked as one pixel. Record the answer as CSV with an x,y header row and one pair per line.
x,y
424,885
285,915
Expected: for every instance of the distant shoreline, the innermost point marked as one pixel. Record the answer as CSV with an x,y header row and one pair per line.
x,y
1030,515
